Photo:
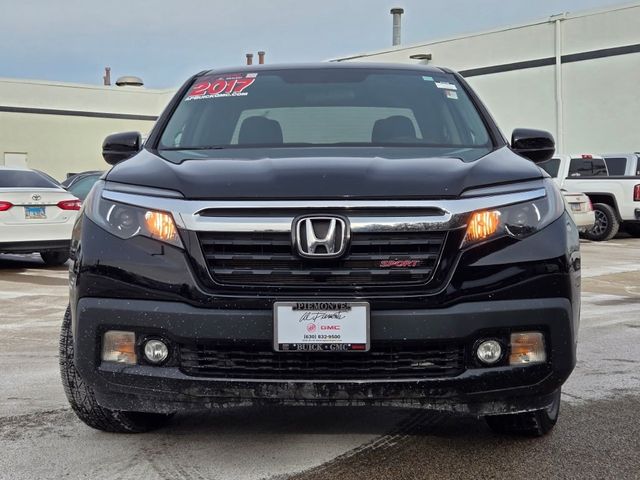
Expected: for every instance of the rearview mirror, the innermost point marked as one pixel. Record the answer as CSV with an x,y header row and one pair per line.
x,y
536,145
120,146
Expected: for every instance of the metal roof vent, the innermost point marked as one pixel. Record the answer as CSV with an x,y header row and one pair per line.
x,y
129,81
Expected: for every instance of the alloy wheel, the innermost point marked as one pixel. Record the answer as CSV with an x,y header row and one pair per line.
x,y
601,224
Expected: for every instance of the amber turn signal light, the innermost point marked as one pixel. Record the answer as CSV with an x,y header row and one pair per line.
x,y
527,348
161,226
482,225
119,346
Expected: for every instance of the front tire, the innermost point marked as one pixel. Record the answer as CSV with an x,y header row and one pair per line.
x,y
83,401
54,259
530,424
607,224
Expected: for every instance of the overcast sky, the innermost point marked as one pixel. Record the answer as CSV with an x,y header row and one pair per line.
x,y
164,41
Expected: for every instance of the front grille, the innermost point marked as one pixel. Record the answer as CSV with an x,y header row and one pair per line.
x,y
387,360
268,259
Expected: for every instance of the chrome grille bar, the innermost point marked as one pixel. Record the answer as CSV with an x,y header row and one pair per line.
x,y
188,214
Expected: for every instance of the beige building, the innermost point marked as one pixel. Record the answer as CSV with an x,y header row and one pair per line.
x,y
59,127
576,75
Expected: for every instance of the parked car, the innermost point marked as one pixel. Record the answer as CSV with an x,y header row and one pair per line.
x,y
347,234
80,184
581,210
616,200
623,164
36,215
75,176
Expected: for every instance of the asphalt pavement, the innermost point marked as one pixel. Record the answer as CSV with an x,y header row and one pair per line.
x,y
597,436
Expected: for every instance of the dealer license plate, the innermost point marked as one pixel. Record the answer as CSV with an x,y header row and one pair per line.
x,y
34,213
321,326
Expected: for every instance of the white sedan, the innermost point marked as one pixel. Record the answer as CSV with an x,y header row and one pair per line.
x,y
581,210
36,215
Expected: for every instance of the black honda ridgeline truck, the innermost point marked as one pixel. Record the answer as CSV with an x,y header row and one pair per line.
x,y
330,234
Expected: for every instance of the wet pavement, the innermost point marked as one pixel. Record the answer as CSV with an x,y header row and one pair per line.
x,y
597,436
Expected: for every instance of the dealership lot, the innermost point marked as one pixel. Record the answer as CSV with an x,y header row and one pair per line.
x,y
598,434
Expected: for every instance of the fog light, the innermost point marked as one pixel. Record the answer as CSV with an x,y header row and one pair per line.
x,y
119,346
156,351
527,348
489,352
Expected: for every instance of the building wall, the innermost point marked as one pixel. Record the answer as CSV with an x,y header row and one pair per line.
x,y
591,103
597,106
60,126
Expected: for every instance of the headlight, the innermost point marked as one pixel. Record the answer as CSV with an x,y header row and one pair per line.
x,y
517,221
127,221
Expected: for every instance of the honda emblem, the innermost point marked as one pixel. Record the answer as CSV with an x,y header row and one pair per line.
x,y
321,237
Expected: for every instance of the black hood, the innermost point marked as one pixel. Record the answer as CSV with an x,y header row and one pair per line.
x,y
320,177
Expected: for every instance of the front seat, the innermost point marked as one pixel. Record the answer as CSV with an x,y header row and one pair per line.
x,y
259,130
396,128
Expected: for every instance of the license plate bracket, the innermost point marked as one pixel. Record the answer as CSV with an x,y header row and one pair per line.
x,y
321,326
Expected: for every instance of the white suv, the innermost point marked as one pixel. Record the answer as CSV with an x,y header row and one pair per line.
x,y
36,215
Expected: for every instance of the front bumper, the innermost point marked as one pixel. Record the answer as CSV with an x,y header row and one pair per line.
x,y
479,391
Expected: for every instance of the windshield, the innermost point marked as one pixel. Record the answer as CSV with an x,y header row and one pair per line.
x,y
327,107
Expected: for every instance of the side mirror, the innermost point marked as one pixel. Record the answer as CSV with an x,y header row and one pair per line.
x,y
120,146
536,145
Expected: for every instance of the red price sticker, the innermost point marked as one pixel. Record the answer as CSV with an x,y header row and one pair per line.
x,y
220,87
